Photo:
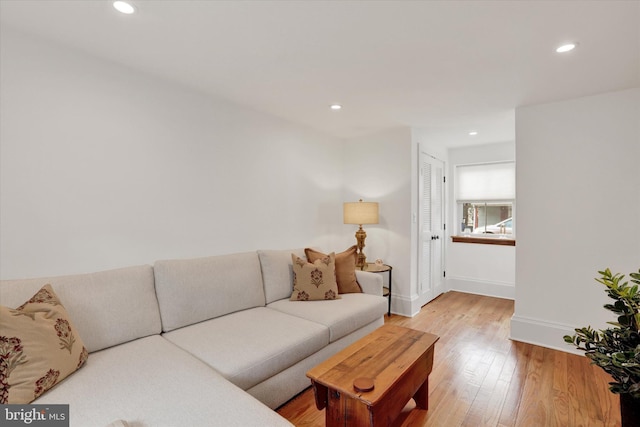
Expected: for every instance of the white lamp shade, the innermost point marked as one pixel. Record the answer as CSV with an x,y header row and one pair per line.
x,y
360,213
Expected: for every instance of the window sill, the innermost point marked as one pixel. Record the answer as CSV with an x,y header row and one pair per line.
x,y
484,240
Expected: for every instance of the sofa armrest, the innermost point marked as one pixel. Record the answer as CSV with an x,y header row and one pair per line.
x,y
371,283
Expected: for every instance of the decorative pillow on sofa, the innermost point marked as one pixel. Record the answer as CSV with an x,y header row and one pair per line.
x,y
345,268
315,281
39,347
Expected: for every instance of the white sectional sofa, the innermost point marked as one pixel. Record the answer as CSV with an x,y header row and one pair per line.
x,y
198,342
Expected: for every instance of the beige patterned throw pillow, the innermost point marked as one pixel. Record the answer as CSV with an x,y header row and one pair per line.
x,y
315,281
39,347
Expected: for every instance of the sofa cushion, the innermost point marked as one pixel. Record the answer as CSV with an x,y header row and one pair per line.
x,y
371,283
39,347
151,382
108,307
317,281
345,268
250,346
341,316
277,272
193,290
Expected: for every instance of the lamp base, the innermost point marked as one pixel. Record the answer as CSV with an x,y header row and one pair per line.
x,y
361,263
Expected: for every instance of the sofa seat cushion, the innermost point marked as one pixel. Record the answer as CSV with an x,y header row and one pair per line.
x,y
152,382
250,346
342,316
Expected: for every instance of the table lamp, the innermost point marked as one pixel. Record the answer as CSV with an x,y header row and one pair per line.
x,y
360,213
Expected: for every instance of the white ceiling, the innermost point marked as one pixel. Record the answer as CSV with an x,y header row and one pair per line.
x,y
445,66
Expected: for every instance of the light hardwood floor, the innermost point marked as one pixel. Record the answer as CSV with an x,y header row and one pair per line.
x,y
481,378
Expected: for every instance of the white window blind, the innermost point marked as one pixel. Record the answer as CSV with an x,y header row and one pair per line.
x,y
486,182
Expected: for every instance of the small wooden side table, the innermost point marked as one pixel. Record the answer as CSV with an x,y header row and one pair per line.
x,y
386,290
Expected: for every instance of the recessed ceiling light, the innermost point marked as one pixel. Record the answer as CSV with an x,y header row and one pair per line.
x,y
567,47
473,133
124,7
336,107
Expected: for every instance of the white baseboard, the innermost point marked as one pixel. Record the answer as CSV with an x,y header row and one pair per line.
x,y
542,333
482,287
404,306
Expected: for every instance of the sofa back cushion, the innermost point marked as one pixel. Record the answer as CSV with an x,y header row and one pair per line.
x,y
193,290
277,272
108,308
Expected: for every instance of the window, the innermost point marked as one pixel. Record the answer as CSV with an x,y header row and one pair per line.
x,y
485,197
487,218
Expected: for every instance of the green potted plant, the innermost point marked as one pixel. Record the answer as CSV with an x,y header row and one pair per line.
x,y
617,349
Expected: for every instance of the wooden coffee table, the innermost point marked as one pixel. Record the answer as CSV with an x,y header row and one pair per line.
x,y
397,359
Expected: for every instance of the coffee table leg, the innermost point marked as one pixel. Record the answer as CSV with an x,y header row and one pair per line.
x,y
334,414
320,393
343,410
422,395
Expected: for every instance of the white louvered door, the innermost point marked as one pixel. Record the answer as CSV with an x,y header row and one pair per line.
x,y
431,228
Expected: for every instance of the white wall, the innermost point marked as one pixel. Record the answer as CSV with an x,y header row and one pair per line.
x,y
378,168
103,167
477,268
578,212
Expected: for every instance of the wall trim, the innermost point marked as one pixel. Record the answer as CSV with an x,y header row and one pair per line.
x,y
482,287
404,306
542,333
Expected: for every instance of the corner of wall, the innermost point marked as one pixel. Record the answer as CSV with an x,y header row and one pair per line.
x,y
542,333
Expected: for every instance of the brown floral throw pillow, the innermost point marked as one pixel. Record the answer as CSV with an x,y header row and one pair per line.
x,y
315,281
39,347
345,268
